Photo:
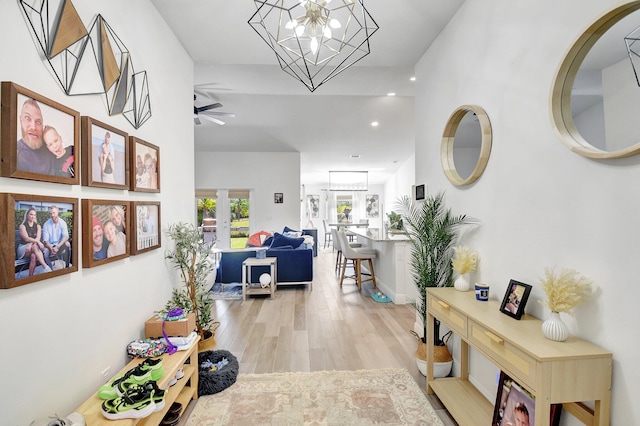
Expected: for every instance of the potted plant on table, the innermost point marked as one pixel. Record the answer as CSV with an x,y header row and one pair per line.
x,y
190,256
434,231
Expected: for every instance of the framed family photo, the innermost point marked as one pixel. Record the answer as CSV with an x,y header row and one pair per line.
x,y
105,231
40,138
146,217
39,239
515,299
145,161
515,405
105,155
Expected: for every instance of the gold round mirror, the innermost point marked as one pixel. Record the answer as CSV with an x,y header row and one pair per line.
x,y
596,95
466,145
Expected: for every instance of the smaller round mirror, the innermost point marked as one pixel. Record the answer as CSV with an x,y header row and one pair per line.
x,y
466,145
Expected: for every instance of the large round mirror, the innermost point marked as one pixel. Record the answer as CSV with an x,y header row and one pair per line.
x,y
466,144
595,98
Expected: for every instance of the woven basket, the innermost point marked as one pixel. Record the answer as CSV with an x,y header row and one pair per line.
x,y
440,353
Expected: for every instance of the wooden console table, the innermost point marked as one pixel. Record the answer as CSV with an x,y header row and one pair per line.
x,y
554,372
183,391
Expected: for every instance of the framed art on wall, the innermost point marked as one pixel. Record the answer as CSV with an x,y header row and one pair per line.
x,y
278,198
39,239
146,217
515,299
313,204
145,166
40,137
105,232
373,206
105,155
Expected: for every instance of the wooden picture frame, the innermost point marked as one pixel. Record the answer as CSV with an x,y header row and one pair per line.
x,y
146,217
29,119
101,219
103,144
278,198
515,299
514,400
145,166
20,264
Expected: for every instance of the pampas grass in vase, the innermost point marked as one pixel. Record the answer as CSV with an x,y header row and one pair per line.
x,y
564,291
463,262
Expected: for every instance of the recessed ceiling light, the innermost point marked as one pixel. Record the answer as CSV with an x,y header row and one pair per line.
x,y
374,123
412,79
355,156
391,94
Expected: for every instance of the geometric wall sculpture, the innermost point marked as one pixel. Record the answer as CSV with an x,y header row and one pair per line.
x,y
85,62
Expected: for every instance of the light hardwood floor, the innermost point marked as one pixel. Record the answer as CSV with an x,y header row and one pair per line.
x,y
327,328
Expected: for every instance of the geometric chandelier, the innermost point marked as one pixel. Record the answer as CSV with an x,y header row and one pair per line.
x,y
314,40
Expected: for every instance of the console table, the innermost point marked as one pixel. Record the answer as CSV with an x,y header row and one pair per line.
x,y
554,372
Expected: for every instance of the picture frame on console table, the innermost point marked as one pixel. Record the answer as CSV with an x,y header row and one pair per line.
x,y
105,155
22,264
146,217
105,231
145,166
29,119
515,299
514,402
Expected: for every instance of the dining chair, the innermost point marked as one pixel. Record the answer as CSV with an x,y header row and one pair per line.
x,y
327,233
356,255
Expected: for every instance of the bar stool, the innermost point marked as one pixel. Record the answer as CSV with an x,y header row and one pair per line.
x,y
338,248
356,255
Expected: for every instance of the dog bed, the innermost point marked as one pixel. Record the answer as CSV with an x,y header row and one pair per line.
x,y
214,381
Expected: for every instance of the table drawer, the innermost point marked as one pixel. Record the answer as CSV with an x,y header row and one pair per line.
x,y
454,319
504,353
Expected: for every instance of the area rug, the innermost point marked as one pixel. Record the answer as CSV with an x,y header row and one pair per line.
x,y
226,291
365,397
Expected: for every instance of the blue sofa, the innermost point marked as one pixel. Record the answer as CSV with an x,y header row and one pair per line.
x,y
294,265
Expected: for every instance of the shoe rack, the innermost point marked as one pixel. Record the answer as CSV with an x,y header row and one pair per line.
x,y
183,391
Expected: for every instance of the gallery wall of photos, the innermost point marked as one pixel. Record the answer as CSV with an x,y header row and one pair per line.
x,y
43,140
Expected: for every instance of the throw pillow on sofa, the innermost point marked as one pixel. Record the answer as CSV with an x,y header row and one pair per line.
x,y
280,240
257,239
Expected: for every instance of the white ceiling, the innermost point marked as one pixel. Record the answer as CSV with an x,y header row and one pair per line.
x,y
277,113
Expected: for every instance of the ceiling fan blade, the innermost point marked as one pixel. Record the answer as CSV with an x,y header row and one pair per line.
x,y
219,114
215,120
207,107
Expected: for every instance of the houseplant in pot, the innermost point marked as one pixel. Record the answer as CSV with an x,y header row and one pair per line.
x,y
190,257
434,231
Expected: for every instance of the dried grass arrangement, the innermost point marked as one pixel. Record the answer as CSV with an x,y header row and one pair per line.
x,y
464,260
565,290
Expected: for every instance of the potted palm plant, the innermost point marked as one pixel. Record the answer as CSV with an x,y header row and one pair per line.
x,y
434,231
190,257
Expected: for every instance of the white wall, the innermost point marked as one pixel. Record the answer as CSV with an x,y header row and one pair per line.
x,y
539,204
265,173
400,184
58,334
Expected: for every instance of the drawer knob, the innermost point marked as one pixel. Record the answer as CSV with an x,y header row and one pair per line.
x,y
444,305
496,339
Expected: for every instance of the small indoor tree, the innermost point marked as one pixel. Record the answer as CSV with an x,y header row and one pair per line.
x,y
434,232
190,256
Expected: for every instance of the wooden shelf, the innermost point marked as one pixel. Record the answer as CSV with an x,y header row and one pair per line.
x,y
475,410
183,391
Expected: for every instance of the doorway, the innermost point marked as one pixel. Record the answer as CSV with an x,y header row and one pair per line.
x,y
225,216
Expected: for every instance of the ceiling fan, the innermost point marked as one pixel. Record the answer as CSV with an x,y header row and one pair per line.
x,y
207,112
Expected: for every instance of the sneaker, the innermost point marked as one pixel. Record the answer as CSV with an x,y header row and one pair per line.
x,y
155,366
151,387
135,404
46,268
179,375
135,375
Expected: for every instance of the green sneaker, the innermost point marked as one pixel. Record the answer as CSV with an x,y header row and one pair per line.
x,y
135,404
149,369
150,387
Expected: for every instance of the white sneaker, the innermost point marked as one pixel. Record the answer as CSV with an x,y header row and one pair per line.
x,y
46,268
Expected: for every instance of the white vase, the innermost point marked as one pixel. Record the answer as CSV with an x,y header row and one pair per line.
x,y
462,283
554,329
